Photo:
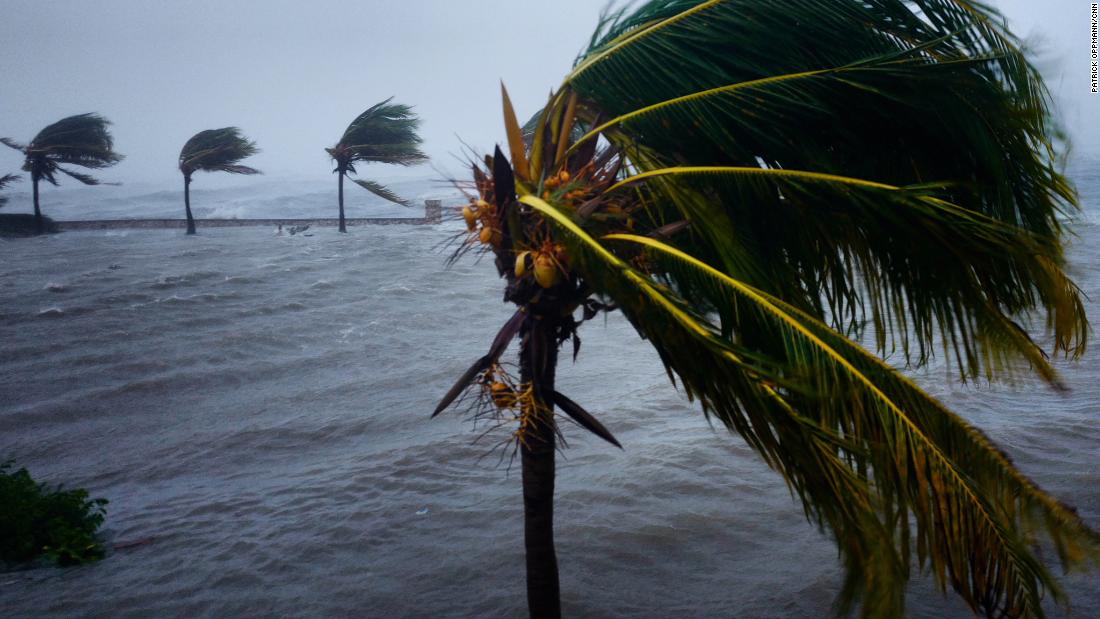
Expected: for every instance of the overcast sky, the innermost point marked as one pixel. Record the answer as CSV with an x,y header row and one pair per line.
x,y
293,73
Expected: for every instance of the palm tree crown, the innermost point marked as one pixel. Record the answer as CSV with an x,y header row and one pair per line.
x,y
81,140
217,150
384,133
755,185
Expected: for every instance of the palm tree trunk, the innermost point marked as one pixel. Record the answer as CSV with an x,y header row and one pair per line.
x,y
538,363
187,204
343,228
37,212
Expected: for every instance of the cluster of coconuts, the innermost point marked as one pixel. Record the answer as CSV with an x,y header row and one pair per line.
x,y
481,211
502,395
554,182
547,264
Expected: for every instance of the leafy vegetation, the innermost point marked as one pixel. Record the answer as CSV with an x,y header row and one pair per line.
x,y
81,140
384,133
5,180
57,524
213,150
758,185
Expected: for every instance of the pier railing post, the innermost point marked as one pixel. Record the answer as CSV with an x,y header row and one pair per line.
x,y
433,211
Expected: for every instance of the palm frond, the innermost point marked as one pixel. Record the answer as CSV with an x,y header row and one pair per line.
x,y
82,140
5,180
384,133
10,143
922,456
87,179
381,191
217,150
690,84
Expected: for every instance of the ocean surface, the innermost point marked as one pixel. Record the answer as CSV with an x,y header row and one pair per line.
x,y
255,407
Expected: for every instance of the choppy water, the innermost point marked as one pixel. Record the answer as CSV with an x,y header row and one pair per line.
x,y
258,407
258,197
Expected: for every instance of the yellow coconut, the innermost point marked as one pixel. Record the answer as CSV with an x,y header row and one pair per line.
x,y
482,205
521,263
470,217
546,271
502,395
486,234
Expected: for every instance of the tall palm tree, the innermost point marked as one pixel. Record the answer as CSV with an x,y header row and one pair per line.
x,y
384,133
5,180
756,185
81,140
213,150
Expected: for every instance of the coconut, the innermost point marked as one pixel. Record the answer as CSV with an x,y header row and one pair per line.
x,y
502,395
546,271
470,217
488,235
521,263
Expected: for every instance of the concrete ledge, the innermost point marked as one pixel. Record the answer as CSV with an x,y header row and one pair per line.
x,y
433,214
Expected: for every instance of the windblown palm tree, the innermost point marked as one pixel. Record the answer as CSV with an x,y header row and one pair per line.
x,y
385,133
5,180
213,150
756,185
81,140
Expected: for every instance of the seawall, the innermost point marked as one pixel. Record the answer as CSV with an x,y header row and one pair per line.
x,y
433,214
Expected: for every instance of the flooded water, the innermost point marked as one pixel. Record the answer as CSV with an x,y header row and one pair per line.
x,y
256,407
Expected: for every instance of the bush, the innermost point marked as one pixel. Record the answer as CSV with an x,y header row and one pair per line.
x,y
38,521
22,224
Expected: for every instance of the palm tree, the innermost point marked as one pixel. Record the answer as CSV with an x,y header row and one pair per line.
x,y
81,140
213,150
756,186
384,133
4,181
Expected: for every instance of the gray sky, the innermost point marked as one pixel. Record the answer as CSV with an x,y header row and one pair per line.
x,y
293,73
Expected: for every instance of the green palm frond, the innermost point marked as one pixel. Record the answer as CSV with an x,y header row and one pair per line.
x,y
384,133
381,191
5,180
217,150
82,140
79,140
87,179
10,143
909,441
878,228
680,96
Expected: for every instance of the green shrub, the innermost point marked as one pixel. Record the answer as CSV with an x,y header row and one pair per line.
x,y
36,520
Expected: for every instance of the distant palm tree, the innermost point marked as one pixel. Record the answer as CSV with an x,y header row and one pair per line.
x,y
753,197
213,150
385,133
6,180
81,140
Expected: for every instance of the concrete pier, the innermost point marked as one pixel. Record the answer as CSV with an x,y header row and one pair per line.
x,y
433,214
